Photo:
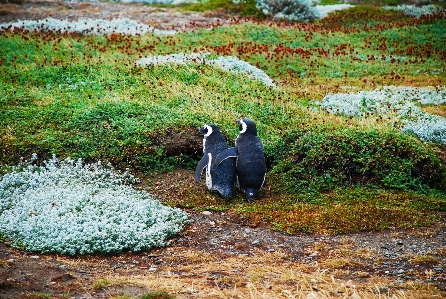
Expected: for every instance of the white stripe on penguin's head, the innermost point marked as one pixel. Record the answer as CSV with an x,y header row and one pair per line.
x,y
243,125
208,130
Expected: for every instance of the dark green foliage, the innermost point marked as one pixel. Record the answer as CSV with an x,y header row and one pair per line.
x,y
247,8
321,159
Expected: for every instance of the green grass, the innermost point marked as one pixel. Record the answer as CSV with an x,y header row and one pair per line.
x,y
83,97
157,295
247,8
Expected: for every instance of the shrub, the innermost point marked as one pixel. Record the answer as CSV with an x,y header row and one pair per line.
x,y
415,11
71,208
87,26
398,104
321,159
292,10
228,63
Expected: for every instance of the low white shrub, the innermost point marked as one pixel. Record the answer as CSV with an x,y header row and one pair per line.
x,y
324,10
73,208
87,26
416,11
228,63
292,10
401,104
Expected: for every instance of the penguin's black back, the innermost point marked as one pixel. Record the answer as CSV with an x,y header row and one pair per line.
x,y
251,166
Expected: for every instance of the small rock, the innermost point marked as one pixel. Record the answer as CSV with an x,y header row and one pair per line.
x,y
153,268
206,213
271,250
439,269
268,286
314,254
255,242
34,257
11,260
247,230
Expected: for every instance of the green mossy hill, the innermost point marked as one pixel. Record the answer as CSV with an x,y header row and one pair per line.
x,y
318,160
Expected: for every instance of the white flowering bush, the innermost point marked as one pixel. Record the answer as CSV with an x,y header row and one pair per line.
x,y
400,104
416,11
324,10
228,63
87,26
71,208
292,10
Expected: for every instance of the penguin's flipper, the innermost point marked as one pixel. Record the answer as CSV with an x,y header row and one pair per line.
x,y
227,153
201,165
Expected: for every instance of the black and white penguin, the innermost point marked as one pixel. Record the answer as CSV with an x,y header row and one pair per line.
x,y
219,177
250,160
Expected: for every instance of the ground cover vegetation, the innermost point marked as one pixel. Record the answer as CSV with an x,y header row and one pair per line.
x,y
85,96
71,208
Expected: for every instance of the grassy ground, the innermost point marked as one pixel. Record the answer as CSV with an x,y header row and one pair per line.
x,y
83,96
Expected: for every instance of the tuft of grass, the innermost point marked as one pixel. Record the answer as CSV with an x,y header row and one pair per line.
x,y
339,263
424,259
101,284
158,295
245,8
38,295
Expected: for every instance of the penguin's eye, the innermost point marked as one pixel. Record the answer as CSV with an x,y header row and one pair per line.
x,y
205,131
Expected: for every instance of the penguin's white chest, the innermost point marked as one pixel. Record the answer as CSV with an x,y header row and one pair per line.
x,y
208,173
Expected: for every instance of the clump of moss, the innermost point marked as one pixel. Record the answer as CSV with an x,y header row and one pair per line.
x,y
322,159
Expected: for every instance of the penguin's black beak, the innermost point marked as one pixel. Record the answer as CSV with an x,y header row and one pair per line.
x,y
201,129
237,121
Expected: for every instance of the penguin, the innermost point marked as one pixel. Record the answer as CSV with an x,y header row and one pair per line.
x,y
219,177
250,160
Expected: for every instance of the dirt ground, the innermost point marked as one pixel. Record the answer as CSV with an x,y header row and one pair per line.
x,y
220,255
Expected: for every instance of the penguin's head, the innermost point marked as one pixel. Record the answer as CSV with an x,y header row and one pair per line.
x,y
212,135
207,130
247,126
